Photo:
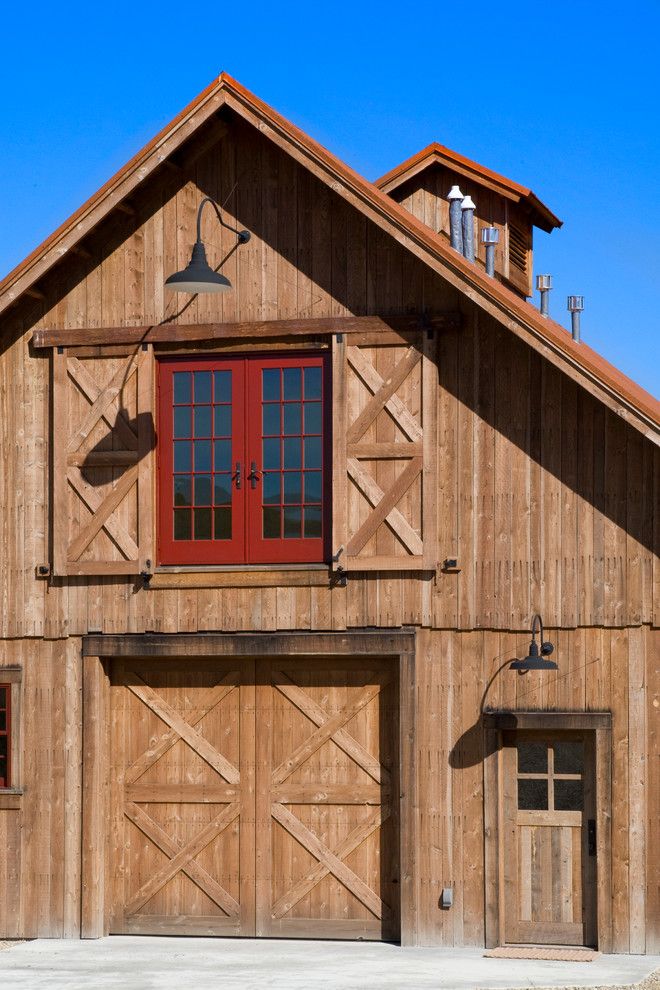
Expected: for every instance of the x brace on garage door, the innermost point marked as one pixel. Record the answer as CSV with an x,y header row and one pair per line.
x,y
276,650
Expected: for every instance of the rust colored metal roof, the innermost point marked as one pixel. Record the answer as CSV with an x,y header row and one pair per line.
x,y
582,363
437,154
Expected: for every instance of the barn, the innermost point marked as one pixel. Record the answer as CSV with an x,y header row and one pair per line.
x,y
273,535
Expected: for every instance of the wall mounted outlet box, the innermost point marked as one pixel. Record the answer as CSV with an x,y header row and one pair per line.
x,y
447,897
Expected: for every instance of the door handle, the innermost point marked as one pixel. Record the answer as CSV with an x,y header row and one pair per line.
x,y
253,475
237,476
591,837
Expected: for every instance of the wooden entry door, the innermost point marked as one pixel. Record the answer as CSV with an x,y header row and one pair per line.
x,y
254,797
549,838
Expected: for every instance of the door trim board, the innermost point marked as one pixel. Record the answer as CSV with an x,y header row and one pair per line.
x,y
494,724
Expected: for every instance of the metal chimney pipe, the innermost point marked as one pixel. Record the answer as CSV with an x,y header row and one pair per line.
x,y
544,284
455,198
490,237
575,305
467,223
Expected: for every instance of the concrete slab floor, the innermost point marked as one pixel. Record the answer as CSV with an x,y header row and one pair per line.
x,y
142,963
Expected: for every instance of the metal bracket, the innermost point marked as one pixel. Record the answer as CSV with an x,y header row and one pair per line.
x,y
340,338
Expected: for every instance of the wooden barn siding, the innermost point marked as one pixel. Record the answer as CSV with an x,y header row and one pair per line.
x,y
458,673
40,830
545,496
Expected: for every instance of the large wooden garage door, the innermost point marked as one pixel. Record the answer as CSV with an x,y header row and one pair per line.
x,y
205,750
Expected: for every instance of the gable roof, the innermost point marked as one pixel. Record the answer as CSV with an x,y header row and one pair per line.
x,y
578,361
437,154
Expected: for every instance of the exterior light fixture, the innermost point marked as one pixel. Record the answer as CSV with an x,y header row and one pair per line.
x,y
198,276
537,655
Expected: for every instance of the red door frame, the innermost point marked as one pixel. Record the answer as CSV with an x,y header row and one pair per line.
x,y
247,544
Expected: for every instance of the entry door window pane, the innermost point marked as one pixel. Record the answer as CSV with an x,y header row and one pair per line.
x,y
568,795
569,756
532,794
532,757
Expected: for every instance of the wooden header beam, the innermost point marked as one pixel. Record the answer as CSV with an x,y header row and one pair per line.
x,y
187,333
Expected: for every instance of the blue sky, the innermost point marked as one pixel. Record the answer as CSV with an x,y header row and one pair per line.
x,y
561,97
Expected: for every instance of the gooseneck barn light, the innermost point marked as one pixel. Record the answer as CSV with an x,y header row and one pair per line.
x,y
537,656
198,276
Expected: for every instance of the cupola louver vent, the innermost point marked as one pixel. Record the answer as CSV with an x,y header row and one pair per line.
x,y
518,247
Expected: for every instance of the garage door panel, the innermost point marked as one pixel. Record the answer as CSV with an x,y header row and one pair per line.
x,y
254,801
329,793
182,826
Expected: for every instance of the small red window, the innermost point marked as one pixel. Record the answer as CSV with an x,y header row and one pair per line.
x,y
5,730
243,458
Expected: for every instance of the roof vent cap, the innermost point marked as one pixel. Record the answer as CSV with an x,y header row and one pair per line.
x,y
455,193
467,204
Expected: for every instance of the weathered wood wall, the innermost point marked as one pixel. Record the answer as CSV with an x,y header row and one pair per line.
x,y
546,497
458,674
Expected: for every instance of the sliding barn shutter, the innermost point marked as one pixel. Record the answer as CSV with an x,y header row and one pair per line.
x,y
102,435
385,486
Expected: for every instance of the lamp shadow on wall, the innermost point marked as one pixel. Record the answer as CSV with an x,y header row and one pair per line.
x,y
96,470
474,745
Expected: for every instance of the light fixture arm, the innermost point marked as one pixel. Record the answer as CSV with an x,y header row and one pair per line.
x,y
243,235
537,626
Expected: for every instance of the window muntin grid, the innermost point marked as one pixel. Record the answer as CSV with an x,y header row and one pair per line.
x,y
550,775
292,452
202,454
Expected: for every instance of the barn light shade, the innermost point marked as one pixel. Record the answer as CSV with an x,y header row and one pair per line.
x,y
198,276
537,658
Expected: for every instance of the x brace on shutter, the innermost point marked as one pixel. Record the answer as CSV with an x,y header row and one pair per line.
x,y
77,452
408,453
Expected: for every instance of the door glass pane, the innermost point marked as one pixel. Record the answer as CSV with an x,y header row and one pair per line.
x,y
182,387
271,522
202,392
182,524
203,462
182,489
312,383
222,529
182,421
203,421
532,795
532,757
202,524
291,409
222,386
569,756
203,489
222,455
568,795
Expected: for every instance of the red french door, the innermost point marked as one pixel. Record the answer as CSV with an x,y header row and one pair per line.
x,y
243,460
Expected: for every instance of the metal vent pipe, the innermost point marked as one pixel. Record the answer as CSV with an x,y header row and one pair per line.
x,y
467,222
575,305
455,198
544,284
490,237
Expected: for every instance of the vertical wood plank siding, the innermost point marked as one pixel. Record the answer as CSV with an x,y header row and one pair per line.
x,y
548,500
